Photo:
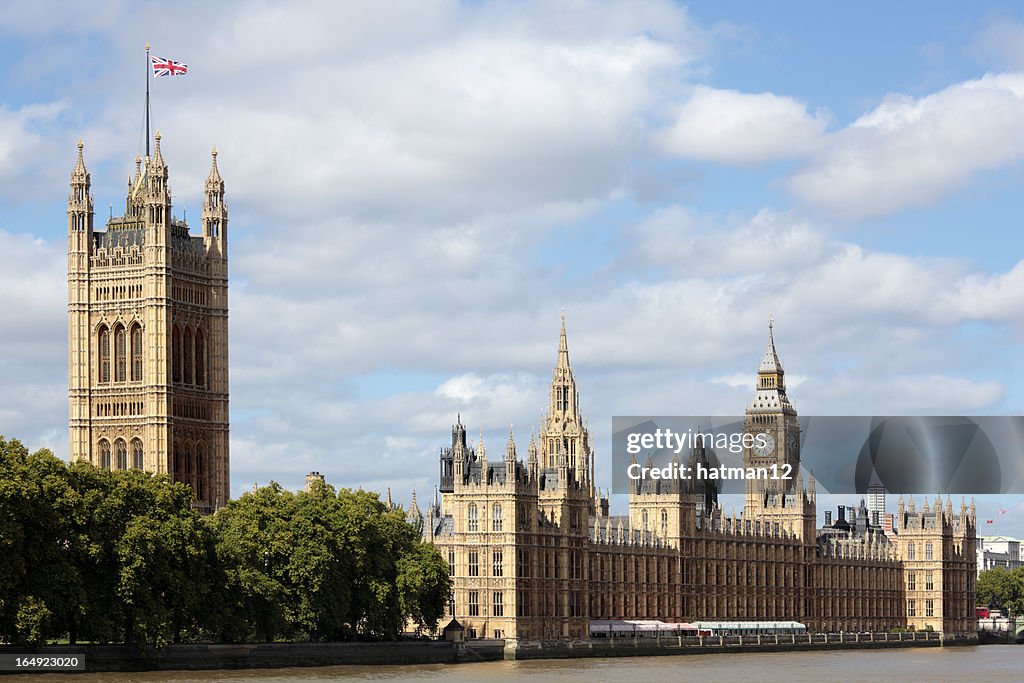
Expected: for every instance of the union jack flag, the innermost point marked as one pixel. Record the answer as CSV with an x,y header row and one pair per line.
x,y
167,67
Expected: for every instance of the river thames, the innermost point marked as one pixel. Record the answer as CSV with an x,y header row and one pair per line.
x,y
980,663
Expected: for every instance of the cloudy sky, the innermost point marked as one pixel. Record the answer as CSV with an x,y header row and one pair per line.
x,y
417,190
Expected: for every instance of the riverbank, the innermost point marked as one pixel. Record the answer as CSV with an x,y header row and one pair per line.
x,y
183,657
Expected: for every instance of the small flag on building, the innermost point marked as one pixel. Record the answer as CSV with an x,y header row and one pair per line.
x,y
167,67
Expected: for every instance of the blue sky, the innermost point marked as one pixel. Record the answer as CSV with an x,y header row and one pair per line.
x,y
413,202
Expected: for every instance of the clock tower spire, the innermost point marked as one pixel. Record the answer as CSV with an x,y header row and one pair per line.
x,y
772,421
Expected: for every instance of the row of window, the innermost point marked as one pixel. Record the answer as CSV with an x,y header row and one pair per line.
x,y
549,560
117,458
929,584
115,344
929,608
116,292
497,518
912,551
189,464
497,523
188,352
118,363
497,604
664,521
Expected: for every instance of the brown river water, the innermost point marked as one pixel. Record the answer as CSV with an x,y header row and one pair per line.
x,y
1004,663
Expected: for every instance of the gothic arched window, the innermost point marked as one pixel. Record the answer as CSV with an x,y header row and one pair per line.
x,y
104,455
122,454
178,469
664,521
176,354
496,521
120,354
200,472
103,342
200,358
137,460
644,518
186,346
474,519
928,551
136,336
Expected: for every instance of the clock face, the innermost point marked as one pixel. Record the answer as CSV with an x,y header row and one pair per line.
x,y
764,444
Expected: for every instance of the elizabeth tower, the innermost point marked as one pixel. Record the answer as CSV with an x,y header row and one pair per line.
x,y
148,333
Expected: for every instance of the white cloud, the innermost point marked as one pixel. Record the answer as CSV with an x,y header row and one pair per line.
x,y
914,151
732,127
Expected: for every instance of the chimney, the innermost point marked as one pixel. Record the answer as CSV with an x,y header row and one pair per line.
x,y
842,513
313,477
828,518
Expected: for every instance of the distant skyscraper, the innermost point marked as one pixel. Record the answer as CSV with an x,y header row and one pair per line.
x,y
876,500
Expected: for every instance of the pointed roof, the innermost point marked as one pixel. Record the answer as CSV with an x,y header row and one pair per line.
x,y
214,177
158,157
770,363
510,447
563,347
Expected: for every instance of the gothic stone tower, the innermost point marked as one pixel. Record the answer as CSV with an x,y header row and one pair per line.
x,y
772,417
148,333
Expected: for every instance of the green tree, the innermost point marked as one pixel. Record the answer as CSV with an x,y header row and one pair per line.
x,y
1002,587
424,585
254,545
39,586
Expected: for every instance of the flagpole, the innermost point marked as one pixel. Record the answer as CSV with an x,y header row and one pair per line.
x,y
147,100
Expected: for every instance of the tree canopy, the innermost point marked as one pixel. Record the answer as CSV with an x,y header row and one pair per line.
x,y
122,556
1002,588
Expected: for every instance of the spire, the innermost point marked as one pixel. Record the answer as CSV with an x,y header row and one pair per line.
x,y
563,345
510,447
214,176
771,363
771,381
79,174
158,157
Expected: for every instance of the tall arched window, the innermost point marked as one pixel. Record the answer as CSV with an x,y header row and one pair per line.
x,y
176,457
104,455
176,354
136,353
496,521
644,518
474,519
200,358
664,521
138,462
122,454
187,348
103,342
120,354
200,472
189,460
928,551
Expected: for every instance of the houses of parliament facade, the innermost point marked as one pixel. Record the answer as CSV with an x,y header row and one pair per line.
x,y
534,553
533,549
147,332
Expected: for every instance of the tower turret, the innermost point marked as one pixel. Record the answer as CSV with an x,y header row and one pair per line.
x,y
215,211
